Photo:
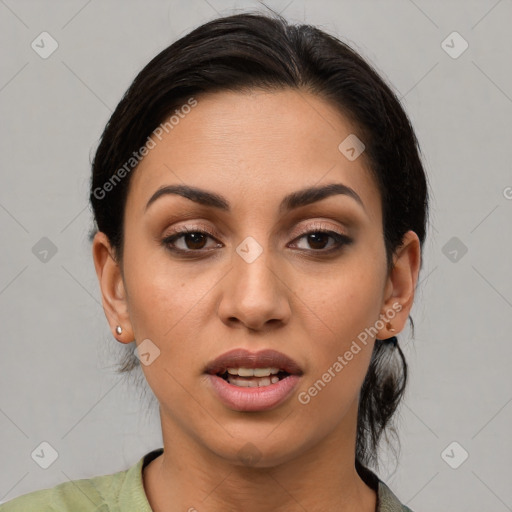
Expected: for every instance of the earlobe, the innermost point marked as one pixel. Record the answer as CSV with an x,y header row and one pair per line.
x,y
401,285
112,288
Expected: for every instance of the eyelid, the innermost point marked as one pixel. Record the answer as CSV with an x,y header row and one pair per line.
x,y
318,224
297,232
191,229
340,239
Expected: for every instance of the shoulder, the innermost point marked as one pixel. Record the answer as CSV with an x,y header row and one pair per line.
x,y
90,494
386,499
114,492
388,502
36,500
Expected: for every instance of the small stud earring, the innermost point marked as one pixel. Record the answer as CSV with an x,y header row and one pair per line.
x,y
390,329
119,329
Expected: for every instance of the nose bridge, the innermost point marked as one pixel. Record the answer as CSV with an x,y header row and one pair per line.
x,y
254,294
253,273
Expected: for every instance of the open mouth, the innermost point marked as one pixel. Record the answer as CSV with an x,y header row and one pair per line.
x,y
253,381
253,377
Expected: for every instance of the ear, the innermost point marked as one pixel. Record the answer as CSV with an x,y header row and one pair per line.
x,y
400,286
112,288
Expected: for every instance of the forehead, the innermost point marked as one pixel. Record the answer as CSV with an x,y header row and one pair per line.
x,y
258,144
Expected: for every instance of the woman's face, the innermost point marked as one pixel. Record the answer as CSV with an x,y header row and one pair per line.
x,y
257,281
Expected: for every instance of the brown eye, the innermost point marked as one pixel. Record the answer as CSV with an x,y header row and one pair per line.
x,y
317,240
190,241
194,240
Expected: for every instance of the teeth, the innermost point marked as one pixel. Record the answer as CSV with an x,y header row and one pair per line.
x,y
253,383
253,372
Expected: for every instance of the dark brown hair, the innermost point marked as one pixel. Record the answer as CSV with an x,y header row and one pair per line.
x,y
246,51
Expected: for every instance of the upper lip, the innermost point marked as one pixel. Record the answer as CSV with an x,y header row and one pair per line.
x,y
241,358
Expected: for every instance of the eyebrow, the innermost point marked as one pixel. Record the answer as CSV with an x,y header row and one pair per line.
x,y
291,201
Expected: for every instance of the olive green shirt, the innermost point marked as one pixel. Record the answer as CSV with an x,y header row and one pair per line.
x,y
124,492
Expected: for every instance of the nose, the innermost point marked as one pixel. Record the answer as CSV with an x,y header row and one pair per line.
x,y
254,295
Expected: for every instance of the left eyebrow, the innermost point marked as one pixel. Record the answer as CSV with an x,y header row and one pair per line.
x,y
291,201
312,194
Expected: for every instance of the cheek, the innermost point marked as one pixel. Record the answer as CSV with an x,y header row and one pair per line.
x,y
343,303
169,305
166,308
158,313
339,357
340,351
161,293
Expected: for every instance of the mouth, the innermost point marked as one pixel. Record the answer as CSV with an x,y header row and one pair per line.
x,y
248,381
253,377
253,369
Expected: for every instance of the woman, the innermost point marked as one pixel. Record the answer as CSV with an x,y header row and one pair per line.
x,y
261,210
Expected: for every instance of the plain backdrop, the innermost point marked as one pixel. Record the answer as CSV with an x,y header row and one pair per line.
x,y
57,353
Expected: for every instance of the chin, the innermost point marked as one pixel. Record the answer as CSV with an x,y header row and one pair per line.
x,y
259,450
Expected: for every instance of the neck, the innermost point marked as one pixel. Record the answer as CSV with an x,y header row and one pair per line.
x,y
192,478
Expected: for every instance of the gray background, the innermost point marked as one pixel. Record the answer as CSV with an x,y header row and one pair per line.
x,y
56,378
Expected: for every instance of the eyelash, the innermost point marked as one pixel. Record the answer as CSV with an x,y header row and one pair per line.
x,y
340,240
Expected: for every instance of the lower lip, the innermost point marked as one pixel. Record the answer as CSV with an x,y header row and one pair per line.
x,y
253,399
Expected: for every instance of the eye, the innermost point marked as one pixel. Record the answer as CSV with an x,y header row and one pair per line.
x,y
318,239
193,240
187,241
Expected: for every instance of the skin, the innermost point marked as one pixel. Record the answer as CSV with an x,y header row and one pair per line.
x,y
254,148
